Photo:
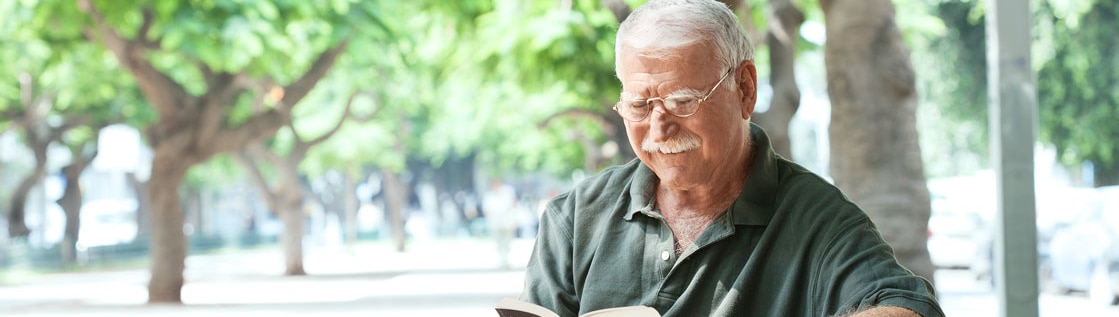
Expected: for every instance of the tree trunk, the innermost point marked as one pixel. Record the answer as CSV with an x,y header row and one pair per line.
x,y
17,227
781,38
396,196
1105,174
17,209
168,244
875,157
71,203
284,197
349,210
143,206
291,213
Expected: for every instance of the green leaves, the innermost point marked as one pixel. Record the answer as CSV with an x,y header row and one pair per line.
x,y
1077,87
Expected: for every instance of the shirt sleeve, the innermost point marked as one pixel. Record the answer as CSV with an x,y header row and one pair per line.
x,y
859,270
548,277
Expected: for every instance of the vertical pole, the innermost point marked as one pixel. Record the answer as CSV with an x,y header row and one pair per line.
x,y
1013,128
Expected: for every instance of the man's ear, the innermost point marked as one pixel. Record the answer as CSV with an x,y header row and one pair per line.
x,y
746,77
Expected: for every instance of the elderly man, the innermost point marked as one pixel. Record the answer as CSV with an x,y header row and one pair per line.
x,y
709,221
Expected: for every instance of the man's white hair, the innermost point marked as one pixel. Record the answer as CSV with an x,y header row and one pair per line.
x,y
660,26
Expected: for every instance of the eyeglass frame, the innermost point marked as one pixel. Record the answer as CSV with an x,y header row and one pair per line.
x,y
649,101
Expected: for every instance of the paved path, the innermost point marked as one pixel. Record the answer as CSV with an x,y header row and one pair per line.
x,y
457,278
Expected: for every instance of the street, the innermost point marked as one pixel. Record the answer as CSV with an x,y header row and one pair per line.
x,y
433,278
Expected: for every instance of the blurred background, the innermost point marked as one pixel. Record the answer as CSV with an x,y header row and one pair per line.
x,y
390,158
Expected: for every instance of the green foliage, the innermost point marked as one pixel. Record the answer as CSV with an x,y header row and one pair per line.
x,y
78,80
1077,58
952,69
219,171
478,77
1078,89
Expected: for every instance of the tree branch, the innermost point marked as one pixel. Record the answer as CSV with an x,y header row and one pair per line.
x,y
620,9
254,129
164,93
295,91
249,159
576,113
221,94
70,123
145,29
346,114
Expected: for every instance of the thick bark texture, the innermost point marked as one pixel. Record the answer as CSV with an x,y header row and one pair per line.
x,y
781,38
168,244
875,157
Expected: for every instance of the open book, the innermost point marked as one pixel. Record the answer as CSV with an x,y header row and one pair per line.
x,y
511,307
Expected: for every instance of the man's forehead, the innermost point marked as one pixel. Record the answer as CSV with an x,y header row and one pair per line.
x,y
683,59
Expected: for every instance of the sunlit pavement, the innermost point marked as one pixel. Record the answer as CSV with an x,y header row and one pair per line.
x,y
432,278
961,295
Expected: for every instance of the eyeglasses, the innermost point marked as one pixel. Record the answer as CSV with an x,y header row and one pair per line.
x,y
680,106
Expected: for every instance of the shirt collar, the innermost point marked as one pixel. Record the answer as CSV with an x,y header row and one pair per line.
x,y
754,205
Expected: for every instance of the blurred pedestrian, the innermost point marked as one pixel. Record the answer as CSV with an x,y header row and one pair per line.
x,y
501,216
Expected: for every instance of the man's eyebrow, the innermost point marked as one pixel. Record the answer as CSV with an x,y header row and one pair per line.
x,y
685,92
625,95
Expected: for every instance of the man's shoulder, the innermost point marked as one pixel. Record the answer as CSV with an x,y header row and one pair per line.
x,y
812,194
598,192
612,179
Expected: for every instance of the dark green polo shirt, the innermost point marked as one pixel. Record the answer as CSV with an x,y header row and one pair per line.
x,y
790,245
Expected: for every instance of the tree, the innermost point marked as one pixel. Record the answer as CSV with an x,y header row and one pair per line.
x,y
199,64
561,57
1078,86
1071,48
782,34
285,194
82,144
32,120
875,157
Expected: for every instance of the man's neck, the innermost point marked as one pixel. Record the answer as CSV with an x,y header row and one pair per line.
x,y
709,199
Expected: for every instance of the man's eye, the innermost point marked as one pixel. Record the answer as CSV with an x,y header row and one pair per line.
x,y
682,101
638,104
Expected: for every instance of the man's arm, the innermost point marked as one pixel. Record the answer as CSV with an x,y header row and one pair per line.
x,y
885,311
548,280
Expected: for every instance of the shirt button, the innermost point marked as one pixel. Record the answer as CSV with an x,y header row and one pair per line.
x,y
664,255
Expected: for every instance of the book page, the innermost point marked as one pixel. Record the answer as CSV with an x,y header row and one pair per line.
x,y
628,311
512,307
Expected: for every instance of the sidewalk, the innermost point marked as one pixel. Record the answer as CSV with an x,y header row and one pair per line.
x,y
432,278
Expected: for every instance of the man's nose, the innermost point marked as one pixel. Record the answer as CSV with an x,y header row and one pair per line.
x,y
662,124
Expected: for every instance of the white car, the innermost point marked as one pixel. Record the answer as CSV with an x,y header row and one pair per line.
x,y
953,236
107,222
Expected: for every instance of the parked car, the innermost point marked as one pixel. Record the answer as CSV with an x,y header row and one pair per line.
x,y
1085,251
962,208
107,222
1056,208
952,236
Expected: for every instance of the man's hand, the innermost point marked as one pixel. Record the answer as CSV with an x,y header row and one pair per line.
x,y
885,311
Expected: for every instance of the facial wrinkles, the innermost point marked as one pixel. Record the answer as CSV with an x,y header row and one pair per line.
x,y
681,142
